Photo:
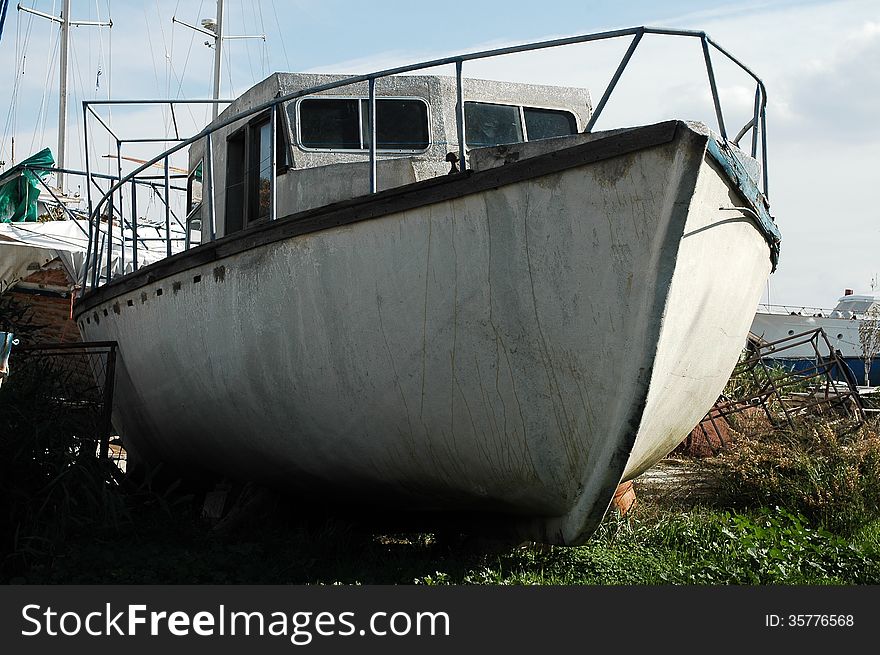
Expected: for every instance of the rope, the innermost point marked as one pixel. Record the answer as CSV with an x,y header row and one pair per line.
x,y
278,26
247,47
50,69
23,51
109,70
229,73
76,97
265,46
13,103
192,39
166,117
152,51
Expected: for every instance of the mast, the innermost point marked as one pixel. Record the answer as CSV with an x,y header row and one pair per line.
x,y
218,46
214,29
65,23
62,92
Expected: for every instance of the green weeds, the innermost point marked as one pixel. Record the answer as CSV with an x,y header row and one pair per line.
x,y
829,476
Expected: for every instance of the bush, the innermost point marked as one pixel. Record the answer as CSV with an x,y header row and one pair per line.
x,y
51,482
828,475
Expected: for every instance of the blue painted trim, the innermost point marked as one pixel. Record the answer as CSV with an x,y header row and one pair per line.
x,y
733,167
856,365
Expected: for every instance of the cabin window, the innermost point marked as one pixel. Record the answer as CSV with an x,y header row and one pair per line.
x,y
260,170
490,124
857,306
249,171
194,188
194,202
548,123
330,124
344,124
401,124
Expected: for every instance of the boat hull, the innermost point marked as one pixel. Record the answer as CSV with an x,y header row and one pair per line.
x,y
511,344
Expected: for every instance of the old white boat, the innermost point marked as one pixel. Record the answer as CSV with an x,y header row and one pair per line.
x,y
472,305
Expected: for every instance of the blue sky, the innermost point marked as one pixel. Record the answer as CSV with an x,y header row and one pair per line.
x,y
820,61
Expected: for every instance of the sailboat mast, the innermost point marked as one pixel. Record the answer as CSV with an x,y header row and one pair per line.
x,y
218,47
62,92
65,22
214,28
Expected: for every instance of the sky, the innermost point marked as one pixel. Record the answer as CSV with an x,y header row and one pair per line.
x,y
820,62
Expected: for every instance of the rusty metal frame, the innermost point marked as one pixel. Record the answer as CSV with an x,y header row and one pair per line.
x,y
777,391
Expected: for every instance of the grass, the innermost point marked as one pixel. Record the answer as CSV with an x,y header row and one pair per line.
x,y
652,547
793,506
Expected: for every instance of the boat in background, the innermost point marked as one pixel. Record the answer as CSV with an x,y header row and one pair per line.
x,y
44,225
841,325
410,291
44,239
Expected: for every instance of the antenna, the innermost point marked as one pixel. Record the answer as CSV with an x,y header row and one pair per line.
x,y
65,22
214,29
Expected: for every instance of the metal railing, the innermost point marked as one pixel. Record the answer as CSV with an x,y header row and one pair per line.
x,y
794,310
757,123
813,312
75,380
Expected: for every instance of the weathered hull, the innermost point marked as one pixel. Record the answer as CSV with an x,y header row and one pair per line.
x,y
517,346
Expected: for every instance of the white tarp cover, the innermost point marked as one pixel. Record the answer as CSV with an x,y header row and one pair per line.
x,y
26,247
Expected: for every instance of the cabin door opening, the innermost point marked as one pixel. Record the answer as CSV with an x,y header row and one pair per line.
x,y
249,172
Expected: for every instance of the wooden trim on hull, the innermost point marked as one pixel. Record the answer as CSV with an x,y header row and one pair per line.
x,y
391,201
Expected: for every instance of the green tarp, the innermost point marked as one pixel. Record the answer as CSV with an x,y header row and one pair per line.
x,y
18,196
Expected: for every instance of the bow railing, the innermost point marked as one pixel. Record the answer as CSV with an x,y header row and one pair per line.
x,y
92,270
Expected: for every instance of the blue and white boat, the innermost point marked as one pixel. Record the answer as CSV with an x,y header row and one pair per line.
x,y
841,325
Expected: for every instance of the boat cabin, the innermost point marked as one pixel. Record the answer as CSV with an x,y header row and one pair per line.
x,y
856,306
323,140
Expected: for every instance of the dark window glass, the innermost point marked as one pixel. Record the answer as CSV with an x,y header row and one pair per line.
x,y
261,168
194,201
282,151
402,124
235,181
860,306
491,125
547,123
194,188
331,123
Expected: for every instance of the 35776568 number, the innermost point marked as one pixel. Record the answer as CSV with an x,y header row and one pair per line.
x,y
809,620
